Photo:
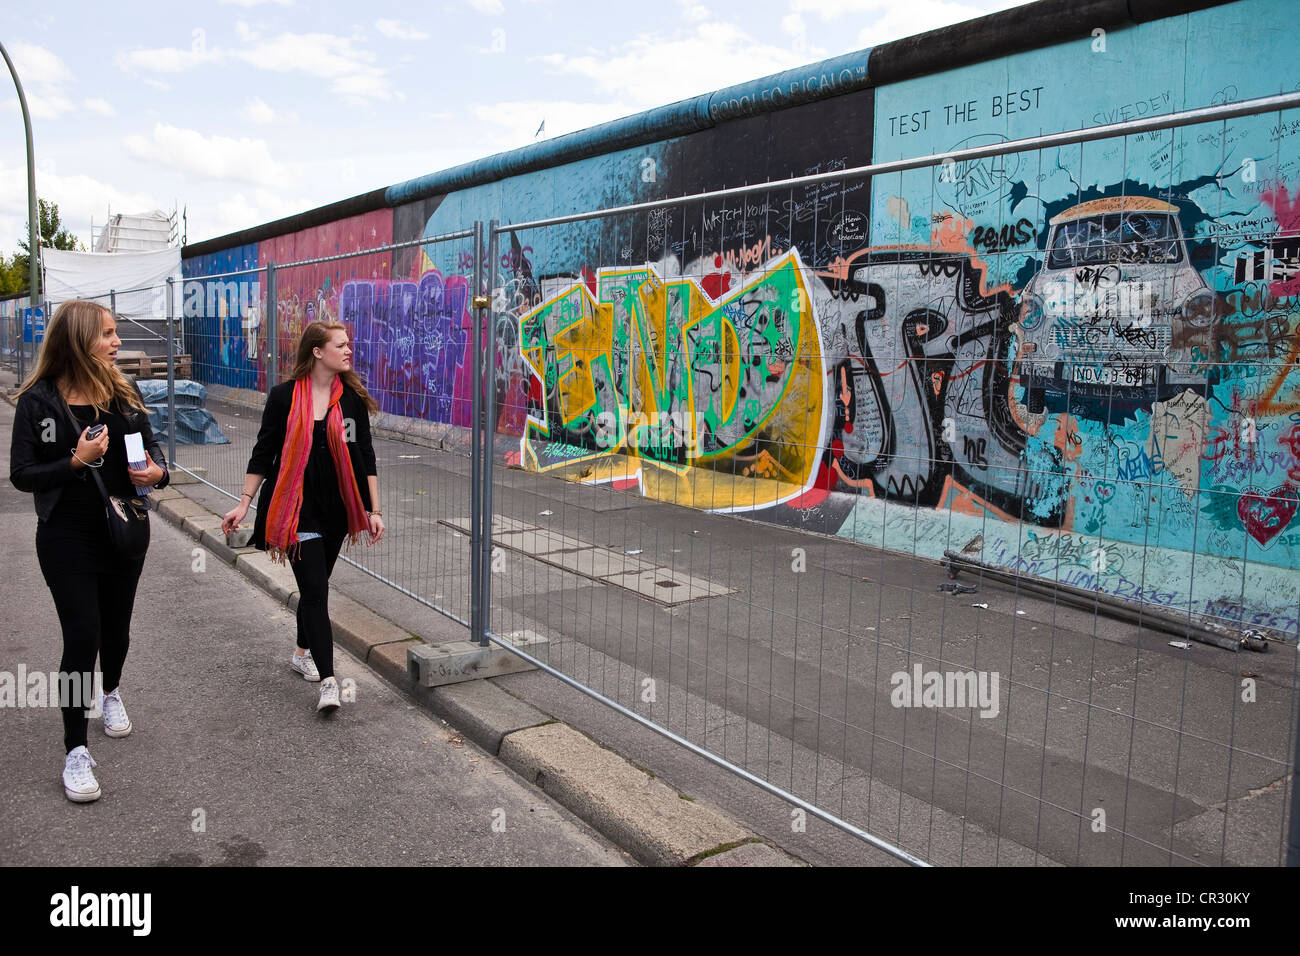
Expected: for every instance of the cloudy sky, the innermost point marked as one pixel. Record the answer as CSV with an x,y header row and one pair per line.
x,y
243,111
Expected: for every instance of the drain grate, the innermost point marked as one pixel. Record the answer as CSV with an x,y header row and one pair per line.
x,y
668,584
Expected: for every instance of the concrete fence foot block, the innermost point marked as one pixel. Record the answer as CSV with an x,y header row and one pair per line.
x,y
450,662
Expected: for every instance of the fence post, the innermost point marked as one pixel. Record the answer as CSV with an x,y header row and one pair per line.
x,y
476,502
489,433
171,373
45,311
272,319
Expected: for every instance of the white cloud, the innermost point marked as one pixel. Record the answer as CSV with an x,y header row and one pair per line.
x,y
399,30
889,20
488,6
216,157
97,105
167,59
793,24
257,111
518,120
207,218
323,55
652,69
80,198
45,79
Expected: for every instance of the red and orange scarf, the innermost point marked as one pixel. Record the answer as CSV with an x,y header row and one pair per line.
x,y
286,501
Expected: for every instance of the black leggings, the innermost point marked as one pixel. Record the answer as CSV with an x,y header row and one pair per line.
x,y
312,570
94,608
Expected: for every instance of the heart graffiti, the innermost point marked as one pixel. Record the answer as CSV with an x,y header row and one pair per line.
x,y
1265,516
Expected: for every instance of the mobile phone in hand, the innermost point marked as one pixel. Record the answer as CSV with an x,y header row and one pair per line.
x,y
94,431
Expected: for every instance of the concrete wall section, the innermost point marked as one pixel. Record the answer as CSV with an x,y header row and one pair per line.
x,y
1083,358
1144,390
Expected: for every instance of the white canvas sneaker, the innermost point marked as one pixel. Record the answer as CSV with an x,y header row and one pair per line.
x,y
79,783
305,666
116,722
329,696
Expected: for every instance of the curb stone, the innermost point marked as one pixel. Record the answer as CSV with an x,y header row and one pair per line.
x,y
640,813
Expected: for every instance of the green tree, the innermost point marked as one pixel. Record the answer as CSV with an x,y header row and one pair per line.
x,y
11,279
53,236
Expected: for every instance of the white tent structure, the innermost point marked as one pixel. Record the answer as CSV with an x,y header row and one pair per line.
x,y
134,283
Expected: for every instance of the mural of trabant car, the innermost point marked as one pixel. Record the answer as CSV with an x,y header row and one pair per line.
x,y
1107,325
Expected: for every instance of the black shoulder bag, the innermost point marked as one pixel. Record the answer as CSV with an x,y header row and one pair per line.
x,y
128,518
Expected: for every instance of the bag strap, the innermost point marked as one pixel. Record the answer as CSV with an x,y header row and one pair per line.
x,y
76,428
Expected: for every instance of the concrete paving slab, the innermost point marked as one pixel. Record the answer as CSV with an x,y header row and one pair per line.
x,y
668,586
537,542
596,562
655,823
500,524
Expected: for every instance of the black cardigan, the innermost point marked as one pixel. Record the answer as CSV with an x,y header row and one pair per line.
x,y
265,459
44,467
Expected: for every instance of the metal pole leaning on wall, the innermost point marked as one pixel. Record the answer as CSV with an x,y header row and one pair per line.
x,y
489,433
477,631
272,328
171,371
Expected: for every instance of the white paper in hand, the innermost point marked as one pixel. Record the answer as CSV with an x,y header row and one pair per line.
x,y
135,457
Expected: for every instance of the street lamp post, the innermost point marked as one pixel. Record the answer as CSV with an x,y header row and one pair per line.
x,y
33,223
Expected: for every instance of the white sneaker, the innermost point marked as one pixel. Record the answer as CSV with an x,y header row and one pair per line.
x,y
79,783
305,666
329,696
116,722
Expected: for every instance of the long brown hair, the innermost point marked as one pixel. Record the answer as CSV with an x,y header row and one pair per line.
x,y
315,336
68,355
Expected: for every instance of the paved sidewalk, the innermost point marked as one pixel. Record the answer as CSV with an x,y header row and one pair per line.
x,y
227,735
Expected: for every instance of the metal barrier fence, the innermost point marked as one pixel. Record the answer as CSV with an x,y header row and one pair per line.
x,y
804,506
1043,718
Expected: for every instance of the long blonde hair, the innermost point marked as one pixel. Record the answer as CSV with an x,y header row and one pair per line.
x,y
68,355
315,336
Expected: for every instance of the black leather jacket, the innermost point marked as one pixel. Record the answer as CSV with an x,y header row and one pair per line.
x,y
265,459
45,467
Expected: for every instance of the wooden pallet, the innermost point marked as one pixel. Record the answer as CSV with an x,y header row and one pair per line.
x,y
143,365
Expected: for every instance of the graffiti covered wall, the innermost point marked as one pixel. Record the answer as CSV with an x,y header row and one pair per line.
x,y
1080,363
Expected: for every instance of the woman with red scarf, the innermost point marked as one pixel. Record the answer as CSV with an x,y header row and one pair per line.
x,y
313,446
